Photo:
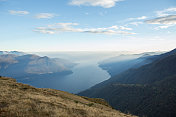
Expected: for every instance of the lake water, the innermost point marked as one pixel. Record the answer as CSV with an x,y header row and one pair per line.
x,y
85,75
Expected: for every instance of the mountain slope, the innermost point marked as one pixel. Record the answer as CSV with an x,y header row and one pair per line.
x,y
119,64
146,91
19,100
157,100
29,65
150,73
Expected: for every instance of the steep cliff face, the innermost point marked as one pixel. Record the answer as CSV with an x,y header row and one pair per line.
x,y
19,100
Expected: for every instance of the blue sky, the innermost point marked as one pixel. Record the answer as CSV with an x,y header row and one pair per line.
x,y
87,25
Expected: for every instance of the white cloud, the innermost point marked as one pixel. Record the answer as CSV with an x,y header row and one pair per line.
x,y
165,18
112,32
69,27
13,12
136,23
141,18
44,30
169,20
45,16
165,12
162,27
137,18
102,3
114,27
125,28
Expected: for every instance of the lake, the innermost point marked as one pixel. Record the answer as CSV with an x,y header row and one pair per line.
x,y
85,74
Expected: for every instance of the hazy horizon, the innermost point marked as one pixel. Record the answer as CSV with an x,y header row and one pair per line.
x,y
83,51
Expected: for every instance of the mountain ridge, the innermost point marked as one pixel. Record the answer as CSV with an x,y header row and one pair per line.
x,y
119,64
28,65
149,90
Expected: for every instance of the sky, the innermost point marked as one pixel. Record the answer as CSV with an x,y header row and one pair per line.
x,y
87,25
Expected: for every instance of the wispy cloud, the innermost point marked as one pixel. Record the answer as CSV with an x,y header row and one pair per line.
x,y
162,27
137,18
70,27
171,19
125,28
136,23
163,22
166,12
45,15
165,19
102,3
13,12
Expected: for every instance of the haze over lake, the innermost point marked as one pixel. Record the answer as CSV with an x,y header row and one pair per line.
x,y
85,74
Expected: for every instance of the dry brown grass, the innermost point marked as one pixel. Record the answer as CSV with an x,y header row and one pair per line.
x,y
20,100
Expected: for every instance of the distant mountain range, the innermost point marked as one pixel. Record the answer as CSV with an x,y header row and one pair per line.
x,y
20,66
118,64
12,52
148,90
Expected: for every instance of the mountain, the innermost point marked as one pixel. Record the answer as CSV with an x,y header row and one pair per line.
x,y
149,90
33,66
20,100
119,64
12,52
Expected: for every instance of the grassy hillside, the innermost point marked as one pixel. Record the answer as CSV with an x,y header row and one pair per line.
x,y
20,100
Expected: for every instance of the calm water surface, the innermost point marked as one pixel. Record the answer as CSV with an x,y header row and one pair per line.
x,y
85,75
